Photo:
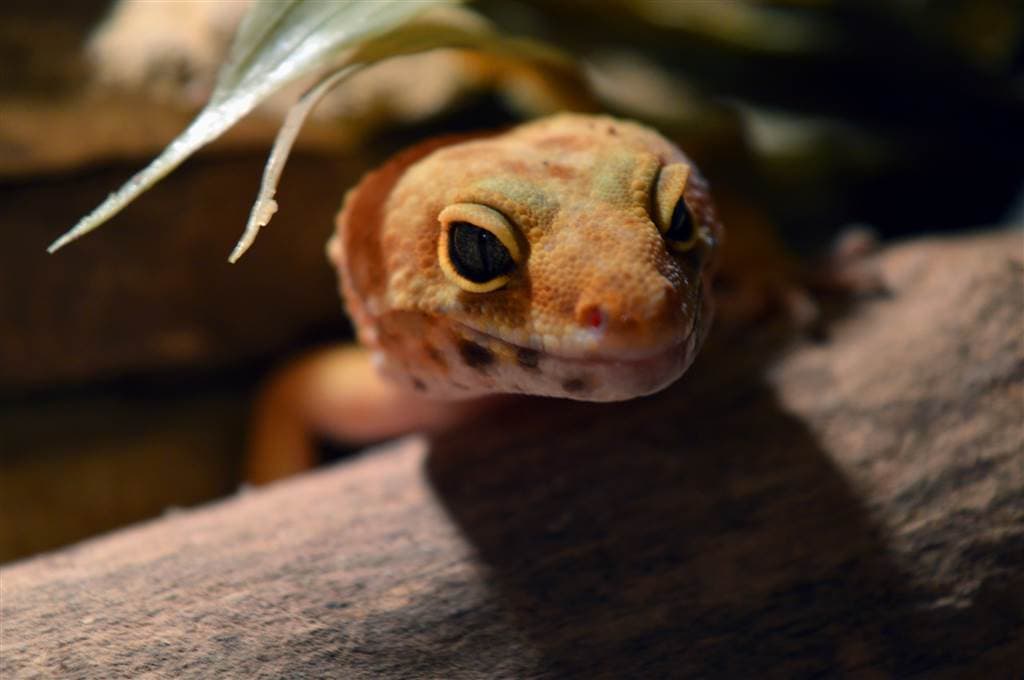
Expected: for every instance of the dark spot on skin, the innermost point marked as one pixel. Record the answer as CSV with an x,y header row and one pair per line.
x,y
435,355
418,384
476,356
574,385
612,131
528,358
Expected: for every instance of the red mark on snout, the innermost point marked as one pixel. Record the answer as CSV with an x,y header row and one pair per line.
x,y
595,318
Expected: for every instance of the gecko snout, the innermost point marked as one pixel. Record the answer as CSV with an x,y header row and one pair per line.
x,y
632,323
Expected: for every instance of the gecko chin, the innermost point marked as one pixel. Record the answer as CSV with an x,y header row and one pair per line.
x,y
612,380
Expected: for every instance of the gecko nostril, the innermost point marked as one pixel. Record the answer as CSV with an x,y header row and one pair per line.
x,y
592,316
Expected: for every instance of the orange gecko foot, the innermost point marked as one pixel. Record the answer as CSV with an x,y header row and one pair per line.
x,y
761,279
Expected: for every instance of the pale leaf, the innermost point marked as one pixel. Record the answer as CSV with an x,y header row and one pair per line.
x,y
429,31
278,42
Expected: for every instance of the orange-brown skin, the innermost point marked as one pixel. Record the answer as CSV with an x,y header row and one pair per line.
x,y
600,305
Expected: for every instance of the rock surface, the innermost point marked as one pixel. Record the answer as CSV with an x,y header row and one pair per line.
x,y
850,507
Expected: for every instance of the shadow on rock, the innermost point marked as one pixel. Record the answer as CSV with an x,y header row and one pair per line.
x,y
701,532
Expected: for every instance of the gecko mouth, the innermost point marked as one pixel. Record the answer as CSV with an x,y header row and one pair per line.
x,y
528,370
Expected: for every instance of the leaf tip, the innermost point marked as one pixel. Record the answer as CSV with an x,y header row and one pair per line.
x,y
66,238
262,211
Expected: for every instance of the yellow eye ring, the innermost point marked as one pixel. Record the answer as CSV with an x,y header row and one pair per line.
x,y
478,248
671,213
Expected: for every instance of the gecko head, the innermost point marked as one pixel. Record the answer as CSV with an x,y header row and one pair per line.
x,y
569,257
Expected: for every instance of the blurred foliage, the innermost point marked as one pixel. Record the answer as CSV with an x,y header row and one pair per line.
x,y
824,112
854,111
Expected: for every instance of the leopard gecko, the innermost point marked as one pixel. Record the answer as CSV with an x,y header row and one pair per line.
x,y
570,257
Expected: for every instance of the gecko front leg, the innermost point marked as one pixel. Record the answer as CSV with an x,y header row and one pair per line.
x,y
336,394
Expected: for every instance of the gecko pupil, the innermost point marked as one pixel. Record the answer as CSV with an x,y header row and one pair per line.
x,y
681,227
477,254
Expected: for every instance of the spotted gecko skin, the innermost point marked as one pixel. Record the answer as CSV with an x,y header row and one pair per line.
x,y
599,304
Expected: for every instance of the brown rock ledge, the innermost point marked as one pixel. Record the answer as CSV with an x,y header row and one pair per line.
x,y
853,507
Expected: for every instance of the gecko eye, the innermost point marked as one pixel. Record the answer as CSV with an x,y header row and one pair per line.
x,y
477,254
681,229
478,249
671,213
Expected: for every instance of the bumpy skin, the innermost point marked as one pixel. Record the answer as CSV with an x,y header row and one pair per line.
x,y
600,307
